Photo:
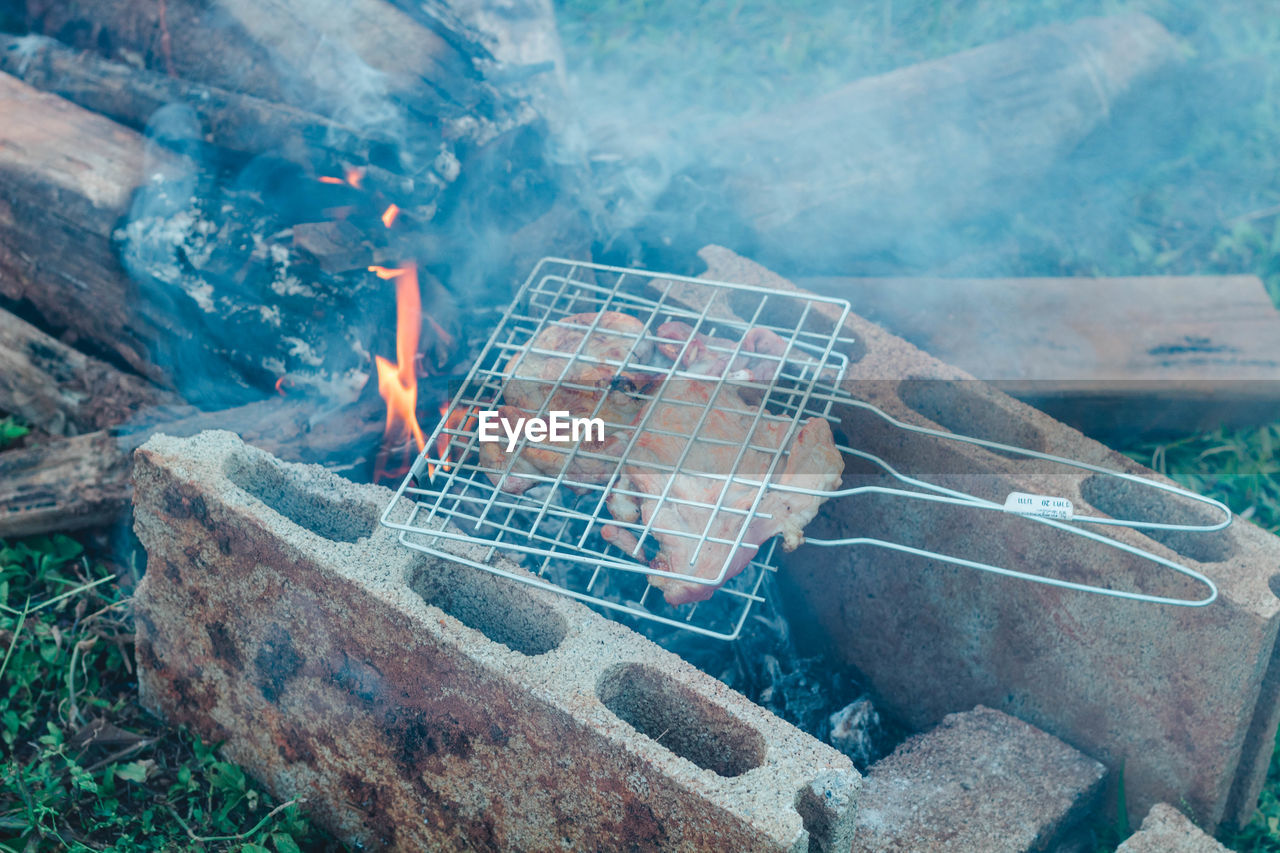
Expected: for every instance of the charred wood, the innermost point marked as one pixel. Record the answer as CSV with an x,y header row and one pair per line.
x,y
59,390
220,304
65,485
130,95
80,482
521,35
66,178
353,62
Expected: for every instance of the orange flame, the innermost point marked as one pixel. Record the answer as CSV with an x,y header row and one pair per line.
x,y
389,215
458,420
387,273
398,383
353,178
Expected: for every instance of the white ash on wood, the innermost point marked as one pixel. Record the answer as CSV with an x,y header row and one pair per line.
x,y
243,304
221,303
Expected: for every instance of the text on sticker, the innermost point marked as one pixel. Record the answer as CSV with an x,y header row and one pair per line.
x,y
1043,506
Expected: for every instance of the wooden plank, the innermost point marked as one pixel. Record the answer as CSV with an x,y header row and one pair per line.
x,y
1141,355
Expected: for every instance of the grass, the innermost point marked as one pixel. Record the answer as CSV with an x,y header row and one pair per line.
x,y
1262,834
1240,468
84,767
11,429
1184,178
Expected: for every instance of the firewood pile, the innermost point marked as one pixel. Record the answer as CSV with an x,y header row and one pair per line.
x,y
195,201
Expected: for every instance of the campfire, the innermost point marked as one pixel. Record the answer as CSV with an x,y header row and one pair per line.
x,y
365,236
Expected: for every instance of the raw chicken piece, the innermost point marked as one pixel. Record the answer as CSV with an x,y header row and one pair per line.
x,y
812,462
593,378
710,355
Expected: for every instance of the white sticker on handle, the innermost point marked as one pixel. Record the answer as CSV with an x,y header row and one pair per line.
x,y
1043,506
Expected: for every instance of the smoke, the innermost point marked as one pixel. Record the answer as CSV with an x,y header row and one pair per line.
x,y
1074,150
709,124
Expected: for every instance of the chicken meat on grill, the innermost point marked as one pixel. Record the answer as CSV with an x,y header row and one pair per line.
x,y
689,480
758,355
701,452
590,380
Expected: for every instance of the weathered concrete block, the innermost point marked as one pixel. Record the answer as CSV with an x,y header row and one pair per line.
x,y
981,780
1167,830
1185,698
420,704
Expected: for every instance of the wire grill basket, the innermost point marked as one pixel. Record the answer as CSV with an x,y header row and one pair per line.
x,y
555,526
668,358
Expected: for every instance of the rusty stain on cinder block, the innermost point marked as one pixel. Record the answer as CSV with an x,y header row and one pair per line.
x,y
421,704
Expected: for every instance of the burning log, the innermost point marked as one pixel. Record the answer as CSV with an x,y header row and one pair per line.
x,y
66,176
888,162
85,481
221,306
61,391
230,120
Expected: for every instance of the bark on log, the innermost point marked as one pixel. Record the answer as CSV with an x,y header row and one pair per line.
x,y
130,95
889,162
345,59
66,485
66,177
61,391
84,481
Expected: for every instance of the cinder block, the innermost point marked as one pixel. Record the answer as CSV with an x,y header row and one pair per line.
x,y
1185,699
419,704
1167,830
981,780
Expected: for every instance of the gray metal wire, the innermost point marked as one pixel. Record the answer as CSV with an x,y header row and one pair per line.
x,y
554,528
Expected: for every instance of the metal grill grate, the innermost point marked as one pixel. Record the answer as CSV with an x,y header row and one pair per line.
x,y
773,360
555,527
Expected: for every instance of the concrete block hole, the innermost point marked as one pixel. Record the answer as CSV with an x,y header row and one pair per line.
x,y
1123,499
328,516
675,717
969,408
500,609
